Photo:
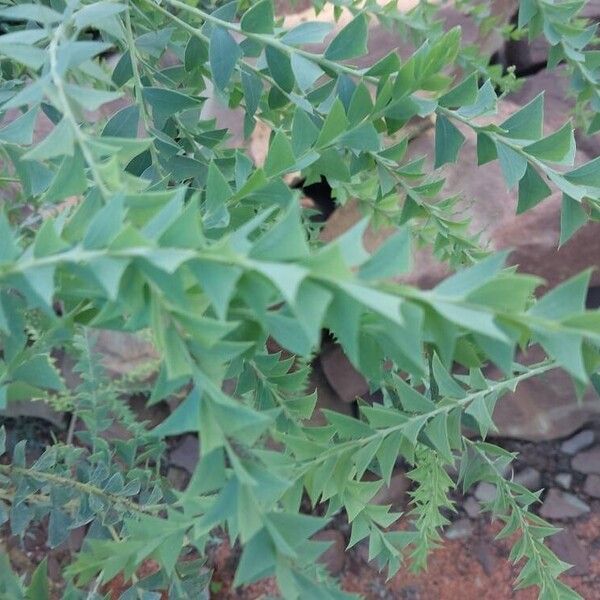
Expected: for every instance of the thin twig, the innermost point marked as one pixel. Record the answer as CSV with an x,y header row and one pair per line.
x,y
84,488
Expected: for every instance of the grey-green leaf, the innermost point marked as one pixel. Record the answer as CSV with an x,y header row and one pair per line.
x,y
305,71
513,164
351,41
311,32
528,122
532,190
258,18
223,56
448,141
391,258
572,218
558,147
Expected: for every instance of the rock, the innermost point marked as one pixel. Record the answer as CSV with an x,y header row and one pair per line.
x,y
462,528
394,494
578,442
76,539
54,569
562,505
360,550
485,555
528,57
546,407
285,7
258,145
178,478
592,486
115,431
335,556
215,107
591,10
534,235
407,592
529,478
564,480
542,408
33,409
568,548
326,396
558,101
346,381
588,461
186,454
65,363
152,415
535,252
487,42
472,507
486,492
126,353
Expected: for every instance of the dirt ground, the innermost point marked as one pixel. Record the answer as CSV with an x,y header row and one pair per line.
x,y
470,564
474,568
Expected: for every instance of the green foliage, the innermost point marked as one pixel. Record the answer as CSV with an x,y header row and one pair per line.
x,y
174,234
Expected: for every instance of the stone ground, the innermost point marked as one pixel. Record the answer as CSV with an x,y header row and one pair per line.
x,y
469,564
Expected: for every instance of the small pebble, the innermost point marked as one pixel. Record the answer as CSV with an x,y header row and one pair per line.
x,y
529,478
178,478
486,492
335,556
186,454
567,547
587,462
592,486
460,529
485,555
562,505
396,493
472,507
578,442
564,480
408,592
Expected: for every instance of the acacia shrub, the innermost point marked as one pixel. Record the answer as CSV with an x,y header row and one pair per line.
x,y
170,233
